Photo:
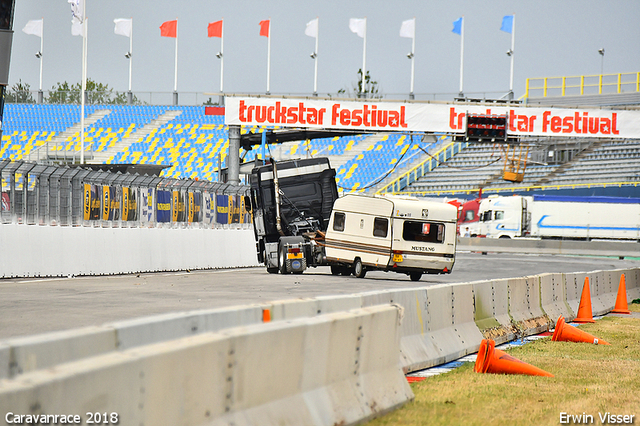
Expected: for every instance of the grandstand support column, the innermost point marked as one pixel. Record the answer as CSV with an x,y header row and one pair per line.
x,y
233,159
175,98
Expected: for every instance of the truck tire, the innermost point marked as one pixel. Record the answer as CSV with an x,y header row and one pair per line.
x,y
282,264
358,268
272,270
415,276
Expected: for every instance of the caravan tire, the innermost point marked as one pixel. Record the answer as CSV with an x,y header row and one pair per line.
x,y
415,276
358,268
336,269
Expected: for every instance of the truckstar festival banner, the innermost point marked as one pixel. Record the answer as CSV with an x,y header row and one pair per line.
x,y
431,117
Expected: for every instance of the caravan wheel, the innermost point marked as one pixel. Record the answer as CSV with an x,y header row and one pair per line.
x,y
415,276
358,269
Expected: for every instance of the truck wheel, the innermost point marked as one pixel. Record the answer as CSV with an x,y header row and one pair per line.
x,y
272,270
358,269
415,276
336,269
282,264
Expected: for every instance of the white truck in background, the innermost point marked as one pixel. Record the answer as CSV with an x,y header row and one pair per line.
x,y
560,217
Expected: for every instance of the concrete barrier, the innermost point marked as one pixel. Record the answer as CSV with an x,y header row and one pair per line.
x,y
331,369
52,251
492,310
603,296
573,284
524,306
553,297
632,279
562,247
417,347
450,322
309,307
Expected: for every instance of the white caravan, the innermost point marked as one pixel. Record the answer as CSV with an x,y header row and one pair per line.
x,y
400,234
546,216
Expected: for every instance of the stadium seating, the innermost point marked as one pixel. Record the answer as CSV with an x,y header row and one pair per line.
x,y
193,145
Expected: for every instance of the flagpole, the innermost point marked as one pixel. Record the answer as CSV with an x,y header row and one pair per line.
x,y
222,57
513,43
269,59
413,51
41,49
461,94
130,52
364,56
84,79
315,60
175,73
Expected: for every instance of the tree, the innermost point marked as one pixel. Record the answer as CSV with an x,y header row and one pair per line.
x,y
19,93
95,93
370,90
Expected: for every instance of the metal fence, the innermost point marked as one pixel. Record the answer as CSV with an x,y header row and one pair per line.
x,y
40,194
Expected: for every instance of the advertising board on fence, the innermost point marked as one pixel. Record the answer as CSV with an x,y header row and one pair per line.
x,y
163,206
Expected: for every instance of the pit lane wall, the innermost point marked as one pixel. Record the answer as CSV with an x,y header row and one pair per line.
x,y
51,251
437,324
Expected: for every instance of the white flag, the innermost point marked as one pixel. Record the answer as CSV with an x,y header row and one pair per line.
x,y
76,8
34,28
123,27
408,28
358,26
76,28
312,28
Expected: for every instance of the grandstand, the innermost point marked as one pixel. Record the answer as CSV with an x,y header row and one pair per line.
x,y
190,143
193,145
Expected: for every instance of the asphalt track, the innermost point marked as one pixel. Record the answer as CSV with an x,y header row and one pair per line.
x,y
32,306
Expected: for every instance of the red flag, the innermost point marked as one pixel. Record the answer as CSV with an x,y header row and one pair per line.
x,y
215,29
169,29
264,28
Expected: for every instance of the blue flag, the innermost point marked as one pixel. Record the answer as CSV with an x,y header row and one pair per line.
x,y
507,24
457,26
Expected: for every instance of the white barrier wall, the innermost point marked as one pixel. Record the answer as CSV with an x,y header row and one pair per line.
x,y
327,370
39,251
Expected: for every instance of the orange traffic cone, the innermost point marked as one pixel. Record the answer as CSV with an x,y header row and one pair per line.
x,y
492,360
567,333
266,315
621,301
585,314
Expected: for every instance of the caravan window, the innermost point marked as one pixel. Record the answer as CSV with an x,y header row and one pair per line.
x,y
427,232
380,227
338,221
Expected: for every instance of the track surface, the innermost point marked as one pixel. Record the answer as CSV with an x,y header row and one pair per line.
x,y
32,306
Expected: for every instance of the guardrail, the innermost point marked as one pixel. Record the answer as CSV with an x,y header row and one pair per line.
x,y
582,84
313,357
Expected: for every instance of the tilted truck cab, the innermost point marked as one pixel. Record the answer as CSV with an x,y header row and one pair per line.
x,y
291,203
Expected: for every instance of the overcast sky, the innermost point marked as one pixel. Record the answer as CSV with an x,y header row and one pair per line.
x,y
552,38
